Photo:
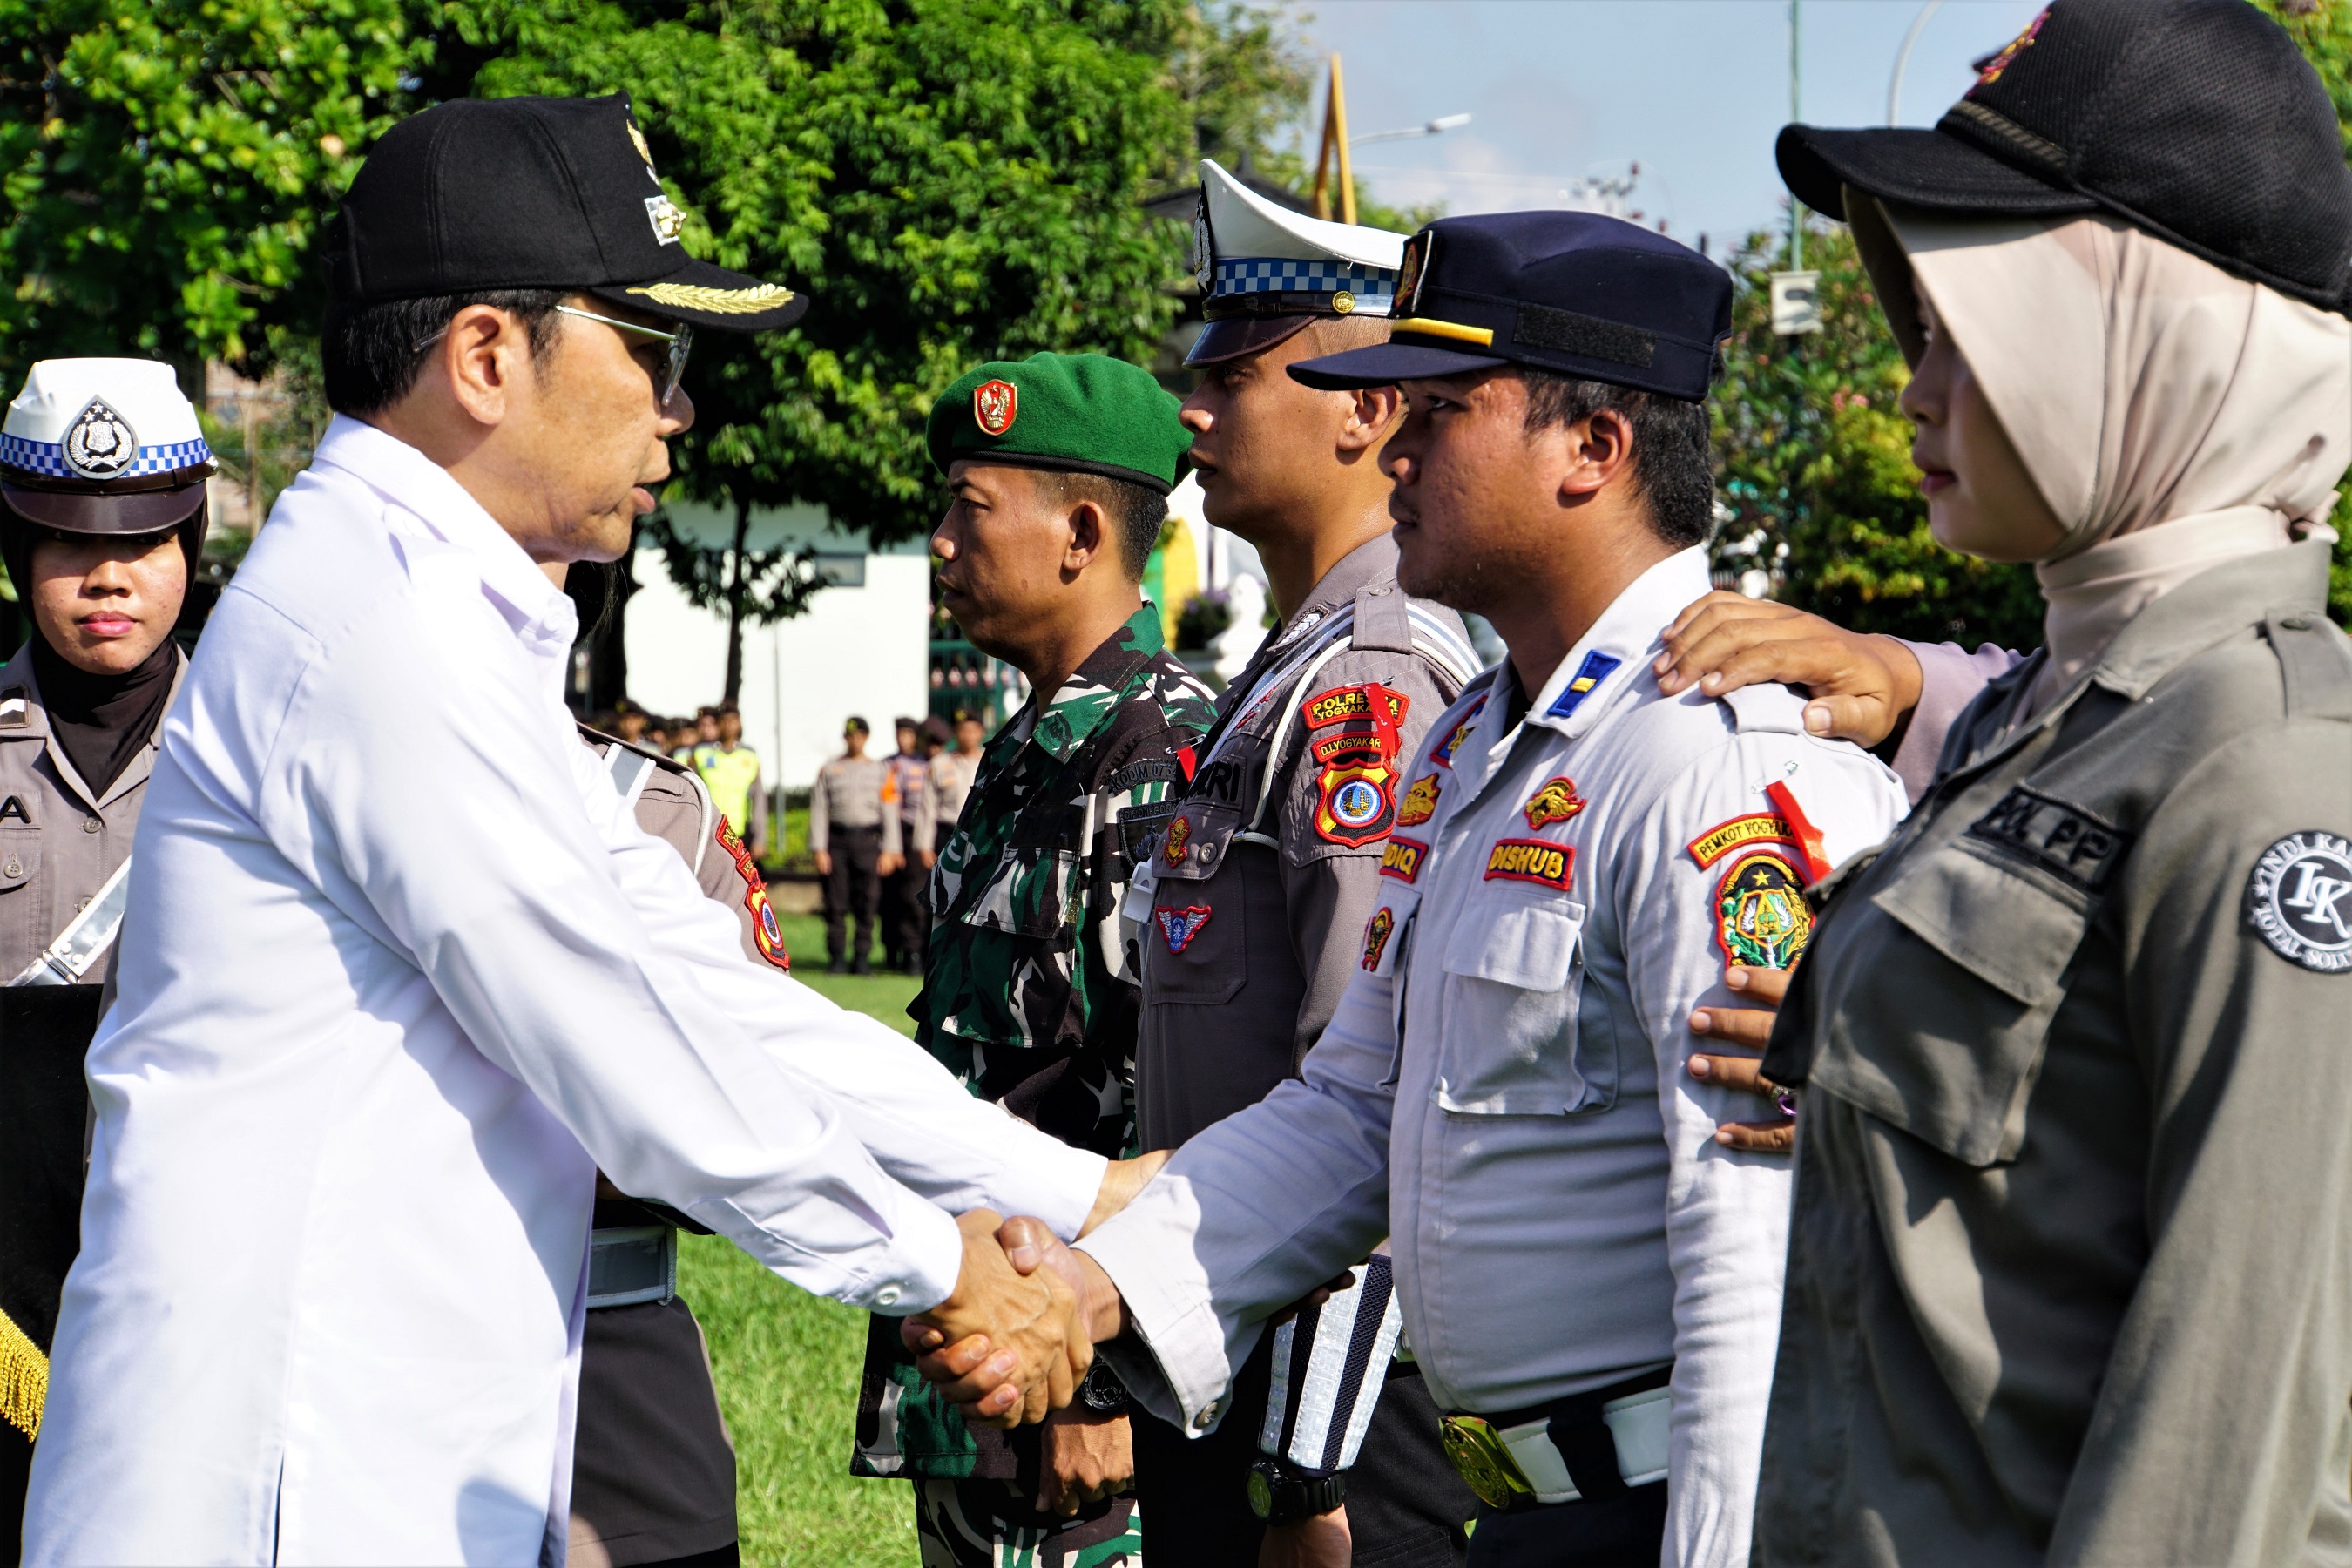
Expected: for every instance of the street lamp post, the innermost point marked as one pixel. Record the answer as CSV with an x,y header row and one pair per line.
x,y
1437,127
1903,61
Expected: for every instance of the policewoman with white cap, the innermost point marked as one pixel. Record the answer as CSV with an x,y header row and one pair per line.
x,y
102,472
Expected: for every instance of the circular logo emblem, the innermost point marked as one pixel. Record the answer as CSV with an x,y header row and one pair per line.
x,y
1343,302
2300,899
101,442
995,405
1355,803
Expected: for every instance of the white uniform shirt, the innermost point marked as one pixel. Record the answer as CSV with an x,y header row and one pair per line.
x,y
1562,1219
400,971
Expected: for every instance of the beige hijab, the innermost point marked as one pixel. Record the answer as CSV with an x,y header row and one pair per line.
x,y
2173,417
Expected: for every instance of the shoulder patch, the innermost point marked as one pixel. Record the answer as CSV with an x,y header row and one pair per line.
x,y
1420,802
1401,858
765,935
1370,701
1756,827
1377,932
2295,899
1597,667
1537,860
1150,770
2064,840
1761,918
1355,802
1556,801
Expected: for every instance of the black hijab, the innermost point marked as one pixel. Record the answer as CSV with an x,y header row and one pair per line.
x,y
101,720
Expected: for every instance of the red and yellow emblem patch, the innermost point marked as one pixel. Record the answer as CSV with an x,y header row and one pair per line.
x,y
1401,858
1537,860
1761,918
1420,802
1356,802
1371,701
1377,932
995,405
1556,801
1178,842
1999,65
1442,752
765,935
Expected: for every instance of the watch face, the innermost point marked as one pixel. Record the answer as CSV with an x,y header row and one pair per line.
x,y
1261,1494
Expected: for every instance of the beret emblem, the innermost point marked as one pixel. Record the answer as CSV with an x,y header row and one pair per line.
x,y
995,405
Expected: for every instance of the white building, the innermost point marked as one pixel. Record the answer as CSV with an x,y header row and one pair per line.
x,y
863,647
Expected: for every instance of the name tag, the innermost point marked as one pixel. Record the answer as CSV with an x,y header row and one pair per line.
x,y
2064,840
1535,860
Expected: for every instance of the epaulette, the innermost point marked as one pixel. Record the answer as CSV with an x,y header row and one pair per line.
x,y
631,765
1768,708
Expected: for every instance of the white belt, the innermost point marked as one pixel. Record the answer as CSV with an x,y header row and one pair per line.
x,y
629,1264
88,934
1641,1423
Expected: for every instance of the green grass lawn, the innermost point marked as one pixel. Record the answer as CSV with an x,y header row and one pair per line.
x,y
787,1366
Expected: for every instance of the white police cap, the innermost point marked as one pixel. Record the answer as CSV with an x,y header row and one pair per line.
x,y
116,429
1265,271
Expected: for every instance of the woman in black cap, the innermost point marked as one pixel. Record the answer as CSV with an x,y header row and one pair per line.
x,y
2066,1276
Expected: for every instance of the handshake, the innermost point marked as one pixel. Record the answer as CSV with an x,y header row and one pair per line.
x,y
1012,1340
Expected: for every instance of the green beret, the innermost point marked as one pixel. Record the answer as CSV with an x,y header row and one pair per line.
x,y
1088,413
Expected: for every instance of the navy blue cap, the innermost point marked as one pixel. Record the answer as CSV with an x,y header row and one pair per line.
x,y
1571,292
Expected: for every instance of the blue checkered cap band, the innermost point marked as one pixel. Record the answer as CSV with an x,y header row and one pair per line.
x,y
49,458
1276,275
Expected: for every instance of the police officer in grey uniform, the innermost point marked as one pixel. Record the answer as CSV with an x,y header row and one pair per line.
x,y
857,844
2065,1277
1248,917
102,470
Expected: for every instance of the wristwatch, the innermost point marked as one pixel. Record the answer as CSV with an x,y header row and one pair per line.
x,y
1100,1391
1281,1495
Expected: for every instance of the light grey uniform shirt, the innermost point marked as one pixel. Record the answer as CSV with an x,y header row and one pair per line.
x,y
2066,1277
848,793
60,840
1501,1090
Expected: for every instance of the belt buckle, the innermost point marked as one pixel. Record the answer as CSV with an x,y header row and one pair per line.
x,y
1479,1457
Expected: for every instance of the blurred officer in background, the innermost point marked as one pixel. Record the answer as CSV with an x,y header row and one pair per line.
x,y
1059,469
102,517
855,837
729,770
907,792
2065,1278
955,769
1249,919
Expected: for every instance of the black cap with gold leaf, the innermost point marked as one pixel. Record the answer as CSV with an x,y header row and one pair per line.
x,y
532,193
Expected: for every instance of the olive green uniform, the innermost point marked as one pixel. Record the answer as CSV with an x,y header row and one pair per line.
x,y
2067,1275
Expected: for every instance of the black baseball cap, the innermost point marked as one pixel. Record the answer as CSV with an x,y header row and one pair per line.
x,y
2197,120
1571,292
483,193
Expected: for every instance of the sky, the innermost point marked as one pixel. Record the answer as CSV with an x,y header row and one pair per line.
x,y
1561,91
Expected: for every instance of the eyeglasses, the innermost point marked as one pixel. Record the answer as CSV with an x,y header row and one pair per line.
x,y
681,344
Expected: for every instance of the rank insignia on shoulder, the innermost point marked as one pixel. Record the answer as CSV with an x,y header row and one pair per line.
x,y
1420,802
1179,927
1370,701
1442,752
2296,898
1356,802
1537,860
1556,801
1401,858
1377,932
1761,918
16,709
1178,844
1596,668
1756,827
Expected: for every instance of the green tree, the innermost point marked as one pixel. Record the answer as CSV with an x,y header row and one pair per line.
x,y
1814,463
164,165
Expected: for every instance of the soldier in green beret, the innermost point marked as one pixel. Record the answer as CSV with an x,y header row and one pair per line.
x,y
1059,468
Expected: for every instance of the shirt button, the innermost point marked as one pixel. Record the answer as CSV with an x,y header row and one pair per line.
x,y
886,1296
91,825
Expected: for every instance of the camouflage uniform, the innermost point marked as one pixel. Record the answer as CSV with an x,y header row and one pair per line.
x,y
1029,997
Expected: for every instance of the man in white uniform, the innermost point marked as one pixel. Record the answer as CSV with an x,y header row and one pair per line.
x,y
401,972
1591,1282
